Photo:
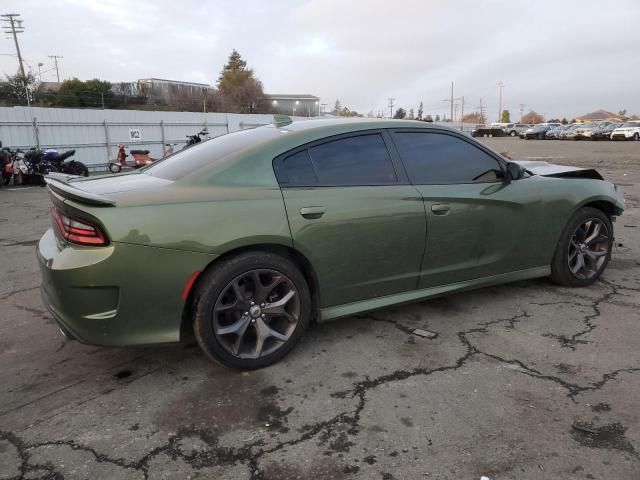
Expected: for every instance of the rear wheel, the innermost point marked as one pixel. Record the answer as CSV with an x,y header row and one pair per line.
x,y
78,168
115,167
251,310
636,136
513,133
584,248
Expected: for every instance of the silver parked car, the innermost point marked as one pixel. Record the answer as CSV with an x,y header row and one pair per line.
x,y
514,129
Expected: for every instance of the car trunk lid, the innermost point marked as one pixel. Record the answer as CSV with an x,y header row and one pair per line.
x,y
101,191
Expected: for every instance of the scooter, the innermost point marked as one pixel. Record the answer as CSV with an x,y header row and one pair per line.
x,y
141,159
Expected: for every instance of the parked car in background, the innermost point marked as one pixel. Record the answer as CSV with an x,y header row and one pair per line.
x,y
514,129
628,131
584,131
537,131
554,133
604,132
248,237
567,130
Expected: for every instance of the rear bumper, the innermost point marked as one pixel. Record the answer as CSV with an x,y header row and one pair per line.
x,y
122,294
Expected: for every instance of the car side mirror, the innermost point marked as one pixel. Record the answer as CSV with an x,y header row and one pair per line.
x,y
514,172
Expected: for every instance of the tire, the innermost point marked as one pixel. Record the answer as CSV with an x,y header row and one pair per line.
x,y
77,168
212,312
513,133
115,167
572,236
636,136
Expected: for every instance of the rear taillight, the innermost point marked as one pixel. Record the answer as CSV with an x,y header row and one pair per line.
x,y
78,231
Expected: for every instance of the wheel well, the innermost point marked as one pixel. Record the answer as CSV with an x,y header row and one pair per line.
x,y
607,208
295,256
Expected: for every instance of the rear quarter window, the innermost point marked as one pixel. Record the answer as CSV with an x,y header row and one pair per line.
x,y
192,159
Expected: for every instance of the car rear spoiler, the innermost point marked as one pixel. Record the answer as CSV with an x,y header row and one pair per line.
x,y
59,183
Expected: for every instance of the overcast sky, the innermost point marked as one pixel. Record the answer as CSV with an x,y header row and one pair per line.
x,y
561,58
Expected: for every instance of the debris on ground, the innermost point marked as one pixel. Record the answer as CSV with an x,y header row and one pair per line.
x,y
424,333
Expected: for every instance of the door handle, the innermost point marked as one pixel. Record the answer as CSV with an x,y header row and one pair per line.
x,y
440,208
312,212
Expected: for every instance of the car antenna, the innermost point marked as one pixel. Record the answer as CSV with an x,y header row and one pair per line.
x,y
281,120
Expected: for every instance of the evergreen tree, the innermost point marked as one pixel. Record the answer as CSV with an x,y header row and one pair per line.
x,y
241,91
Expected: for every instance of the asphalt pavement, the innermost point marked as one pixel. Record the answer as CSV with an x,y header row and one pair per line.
x,y
522,381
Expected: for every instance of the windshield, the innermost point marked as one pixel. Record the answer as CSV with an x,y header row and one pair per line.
x,y
191,159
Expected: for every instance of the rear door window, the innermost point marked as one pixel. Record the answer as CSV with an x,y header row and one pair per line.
x,y
349,161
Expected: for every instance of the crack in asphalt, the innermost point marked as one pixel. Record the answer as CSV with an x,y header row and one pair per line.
x,y
347,423
15,292
574,340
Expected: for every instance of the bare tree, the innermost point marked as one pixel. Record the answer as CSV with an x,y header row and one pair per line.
x,y
532,117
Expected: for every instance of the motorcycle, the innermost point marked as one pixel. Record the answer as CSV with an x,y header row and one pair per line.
x,y
41,162
59,161
193,139
6,165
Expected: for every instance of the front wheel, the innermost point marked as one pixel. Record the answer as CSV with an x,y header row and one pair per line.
x,y
584,248
115,167
251,310
513,134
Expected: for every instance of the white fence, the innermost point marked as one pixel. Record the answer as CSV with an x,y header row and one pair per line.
x,y
95,134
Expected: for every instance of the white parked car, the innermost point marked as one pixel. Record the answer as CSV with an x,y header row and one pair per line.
x,y
628,131
584,131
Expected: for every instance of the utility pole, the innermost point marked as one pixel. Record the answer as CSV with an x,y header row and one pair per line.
x,y
462,115
14,26
521,111
452,101
500,87
55,59
391,99
481,112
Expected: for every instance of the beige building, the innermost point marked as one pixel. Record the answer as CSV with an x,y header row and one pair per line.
x,y
599,115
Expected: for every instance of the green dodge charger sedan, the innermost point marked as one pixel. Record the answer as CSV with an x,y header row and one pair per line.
x,y
248,237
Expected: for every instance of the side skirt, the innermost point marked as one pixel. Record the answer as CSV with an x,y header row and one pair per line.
x,y
332,313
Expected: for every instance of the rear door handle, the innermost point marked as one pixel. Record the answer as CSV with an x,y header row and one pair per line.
x,y
440,208
312,212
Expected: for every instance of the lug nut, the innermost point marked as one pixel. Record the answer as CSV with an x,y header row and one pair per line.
x,y
262,305
246,313
263,315
253,320
253,303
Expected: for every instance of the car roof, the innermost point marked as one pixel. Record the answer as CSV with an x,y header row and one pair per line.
x,y
355,124
252,165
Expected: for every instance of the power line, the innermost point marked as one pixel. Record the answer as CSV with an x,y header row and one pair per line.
x,y
55,59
